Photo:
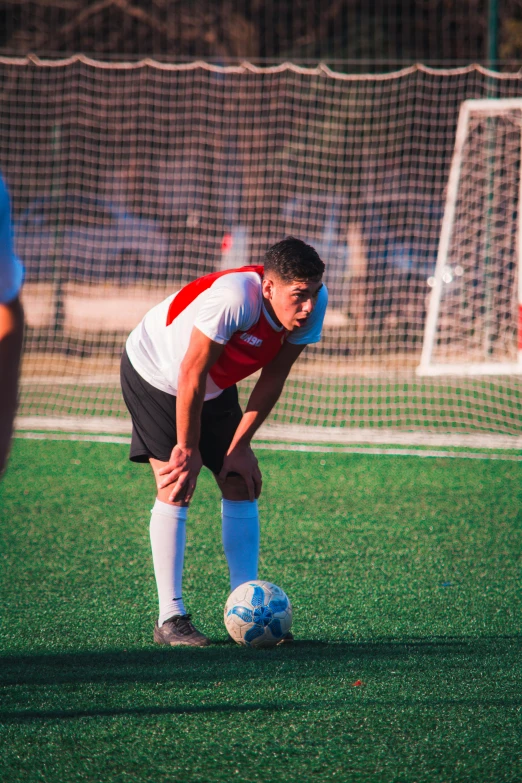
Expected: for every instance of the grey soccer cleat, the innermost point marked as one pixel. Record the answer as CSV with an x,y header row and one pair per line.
x,y
178,631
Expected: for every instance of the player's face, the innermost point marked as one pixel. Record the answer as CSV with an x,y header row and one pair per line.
x,y
290,304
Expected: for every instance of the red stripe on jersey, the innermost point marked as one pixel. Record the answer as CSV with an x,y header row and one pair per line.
x,y
245,352
186,296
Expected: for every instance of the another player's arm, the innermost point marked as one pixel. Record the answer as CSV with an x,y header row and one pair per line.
x,y
11,334
185,460
240,457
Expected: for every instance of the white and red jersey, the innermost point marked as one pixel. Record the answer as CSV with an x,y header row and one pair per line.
x,y
228,308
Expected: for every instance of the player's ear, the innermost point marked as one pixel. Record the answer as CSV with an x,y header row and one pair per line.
x,y
267,287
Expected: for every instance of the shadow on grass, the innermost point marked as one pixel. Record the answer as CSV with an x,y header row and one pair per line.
x,y
224,662
331,706
22,716
227,665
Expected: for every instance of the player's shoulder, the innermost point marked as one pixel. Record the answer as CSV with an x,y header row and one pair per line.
x,y
238,287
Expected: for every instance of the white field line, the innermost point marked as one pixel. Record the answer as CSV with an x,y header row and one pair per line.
x,y
343,436
308,447
76,436
304,447
53,380
356,436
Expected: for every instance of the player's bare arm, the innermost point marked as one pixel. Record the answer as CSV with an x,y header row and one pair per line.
x,y
289,303
11,334
240,458
11,325
185,462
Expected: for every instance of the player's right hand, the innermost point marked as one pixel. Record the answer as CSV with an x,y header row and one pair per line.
x,y
182,470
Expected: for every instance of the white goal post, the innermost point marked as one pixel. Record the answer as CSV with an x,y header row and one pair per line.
x,y
474,320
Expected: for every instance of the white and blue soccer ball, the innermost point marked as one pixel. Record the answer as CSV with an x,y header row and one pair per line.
x,y
258,614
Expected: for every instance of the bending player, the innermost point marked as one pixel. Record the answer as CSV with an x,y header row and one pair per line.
x,y
11,326
179,375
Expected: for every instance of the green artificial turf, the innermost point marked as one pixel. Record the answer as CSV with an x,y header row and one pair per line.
x,y
403,574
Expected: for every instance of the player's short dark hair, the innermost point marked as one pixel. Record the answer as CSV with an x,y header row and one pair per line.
x,y
292,259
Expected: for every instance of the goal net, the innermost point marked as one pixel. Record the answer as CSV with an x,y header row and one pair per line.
x,y
474,323
130,179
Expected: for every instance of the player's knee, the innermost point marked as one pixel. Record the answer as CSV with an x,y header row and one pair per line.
x,y
234,488
164,495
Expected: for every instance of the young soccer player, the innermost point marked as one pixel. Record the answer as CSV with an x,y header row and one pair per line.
x,y
11,326
179,375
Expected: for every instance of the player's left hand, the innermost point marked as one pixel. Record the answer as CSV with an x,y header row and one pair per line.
x,y
242,460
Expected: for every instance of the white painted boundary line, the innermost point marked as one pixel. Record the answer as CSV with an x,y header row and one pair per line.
x,y
291,433
303,447
76,436
385,452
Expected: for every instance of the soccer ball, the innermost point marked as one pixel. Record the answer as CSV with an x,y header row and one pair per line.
x,y
258,614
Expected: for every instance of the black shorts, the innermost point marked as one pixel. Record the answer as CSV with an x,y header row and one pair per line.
x,y
153,415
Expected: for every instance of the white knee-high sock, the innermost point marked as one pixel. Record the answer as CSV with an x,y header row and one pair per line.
x,y
167,539
240,530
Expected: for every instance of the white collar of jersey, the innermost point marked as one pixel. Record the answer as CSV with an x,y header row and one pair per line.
x,y
270,319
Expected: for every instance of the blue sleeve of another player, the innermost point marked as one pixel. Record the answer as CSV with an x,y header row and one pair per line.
x,y
11,269
312,332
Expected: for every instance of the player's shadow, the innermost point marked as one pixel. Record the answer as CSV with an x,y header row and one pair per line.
x,y
222,661
216,668
24,716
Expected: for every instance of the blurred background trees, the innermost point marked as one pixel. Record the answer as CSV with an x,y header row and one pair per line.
x,y
352,35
